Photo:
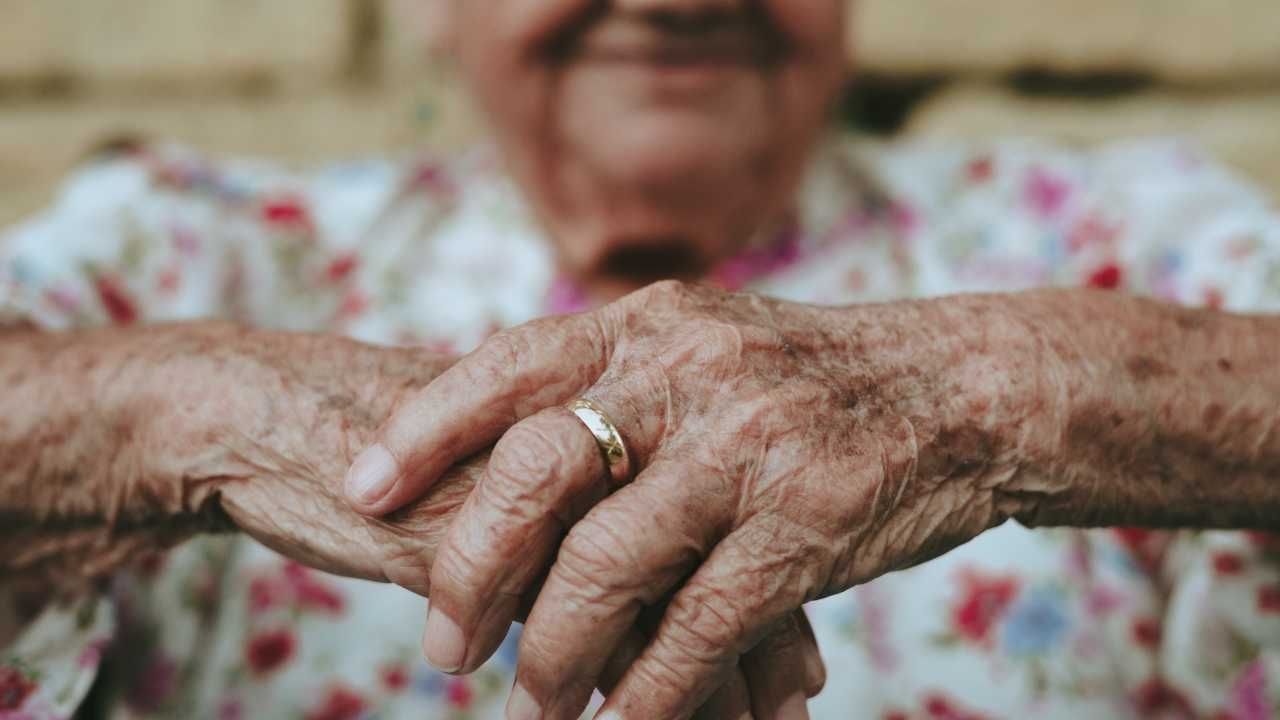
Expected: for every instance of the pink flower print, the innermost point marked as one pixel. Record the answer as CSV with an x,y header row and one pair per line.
x,y
1092,230
1214,298
980,169
1102,601
903,219
458,692
939,707
983,602
316,595
1146,633
311,591
354,304
1269,599
91,656
433,179
186,241
269,651
15,688
394,678
566,297
169,280
1227,563
340,703
287,214
1107,277
1156,698
736,272
115,300
63,299
266,593
342,267
1046,194
1249,699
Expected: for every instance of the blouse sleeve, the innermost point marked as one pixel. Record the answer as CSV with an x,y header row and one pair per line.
x,y
1155,218
163,234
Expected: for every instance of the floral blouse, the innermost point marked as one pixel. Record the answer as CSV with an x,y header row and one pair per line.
x,y
1015,624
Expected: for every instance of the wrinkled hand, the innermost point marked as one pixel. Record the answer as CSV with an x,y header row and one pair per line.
x,y
263,426
268,424
785,452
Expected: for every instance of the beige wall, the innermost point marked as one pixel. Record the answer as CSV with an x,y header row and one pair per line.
x,y
309,80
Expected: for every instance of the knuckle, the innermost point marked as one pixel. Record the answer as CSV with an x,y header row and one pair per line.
x,y
498,358
664,677
705,630
455,572
526,457
668,289
598,556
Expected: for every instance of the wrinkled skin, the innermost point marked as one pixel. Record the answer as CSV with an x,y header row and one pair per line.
x,y
787,453
211,428
206,427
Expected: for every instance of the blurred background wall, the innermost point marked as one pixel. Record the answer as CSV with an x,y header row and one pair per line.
x,y
313,80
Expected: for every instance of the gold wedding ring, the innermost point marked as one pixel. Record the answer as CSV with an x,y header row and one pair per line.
x,y
608,438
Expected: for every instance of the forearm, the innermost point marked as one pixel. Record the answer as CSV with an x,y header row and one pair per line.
x,y
118,440
1164,416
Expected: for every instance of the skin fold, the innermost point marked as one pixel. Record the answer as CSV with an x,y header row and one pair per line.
x,y
788,452
120,442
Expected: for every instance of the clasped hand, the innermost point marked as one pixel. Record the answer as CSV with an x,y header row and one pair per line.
x,y
784,452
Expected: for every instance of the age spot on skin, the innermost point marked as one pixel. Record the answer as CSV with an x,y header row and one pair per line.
x,y
1144,368
1188,319
1212,415
1225,365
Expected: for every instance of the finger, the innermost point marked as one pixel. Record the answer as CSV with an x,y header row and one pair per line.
x,y
732,701
542,476
815,669
510,376
625,555
725,608
776,671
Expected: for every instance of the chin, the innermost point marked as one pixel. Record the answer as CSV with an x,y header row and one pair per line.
x,y
698,155
678,166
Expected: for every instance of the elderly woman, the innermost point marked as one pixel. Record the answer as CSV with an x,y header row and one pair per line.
x,y
795,426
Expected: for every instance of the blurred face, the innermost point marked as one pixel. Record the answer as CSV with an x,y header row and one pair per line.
x,y
653,136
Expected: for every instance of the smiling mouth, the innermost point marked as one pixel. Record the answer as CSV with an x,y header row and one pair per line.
x,y
675,42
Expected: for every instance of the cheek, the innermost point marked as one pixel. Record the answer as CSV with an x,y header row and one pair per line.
x,y
817,28
499,43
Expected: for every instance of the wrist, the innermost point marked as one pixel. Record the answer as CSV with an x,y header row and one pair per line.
x,y
999,386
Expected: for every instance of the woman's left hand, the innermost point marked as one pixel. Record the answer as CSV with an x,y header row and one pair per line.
x,y
783,453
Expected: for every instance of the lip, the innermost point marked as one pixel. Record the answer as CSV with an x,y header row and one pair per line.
x,y
627,44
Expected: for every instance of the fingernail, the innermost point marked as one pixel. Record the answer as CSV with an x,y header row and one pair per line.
x,y
443,643
371,475
815,672
609,715
795,707
522,706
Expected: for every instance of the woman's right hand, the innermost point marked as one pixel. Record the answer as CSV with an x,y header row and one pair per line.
x,y
261,426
